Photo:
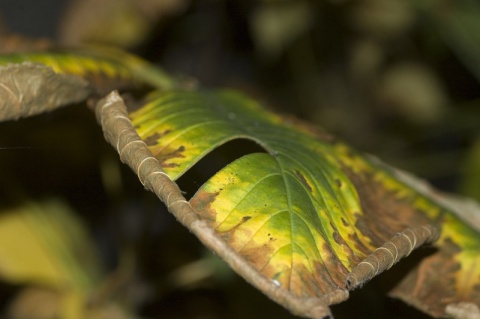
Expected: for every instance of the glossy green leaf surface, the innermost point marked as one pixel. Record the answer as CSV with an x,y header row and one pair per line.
x,y
287,212
307,211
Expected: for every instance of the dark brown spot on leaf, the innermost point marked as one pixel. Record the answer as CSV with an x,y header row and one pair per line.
x,y
167,154
337,237
258,256
201,202
384,212
152,139
341,241
338,182
303,180
359,245
336,273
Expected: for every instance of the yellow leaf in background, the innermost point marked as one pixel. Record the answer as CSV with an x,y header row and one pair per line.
x,y
44,245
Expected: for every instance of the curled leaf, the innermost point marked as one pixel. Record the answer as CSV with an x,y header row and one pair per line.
x,y
301,220
27,89
104,68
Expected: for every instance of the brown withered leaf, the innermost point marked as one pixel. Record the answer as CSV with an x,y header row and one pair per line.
x,y
27,89
446,282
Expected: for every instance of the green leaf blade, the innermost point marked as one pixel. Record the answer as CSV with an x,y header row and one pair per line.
x,y
312,216
312,201
275,237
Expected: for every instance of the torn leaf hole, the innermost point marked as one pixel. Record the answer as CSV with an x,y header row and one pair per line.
x,y
213,162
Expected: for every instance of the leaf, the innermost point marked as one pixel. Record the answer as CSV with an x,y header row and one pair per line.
x,y
304,222
47,250
27,89
104,68
44,245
